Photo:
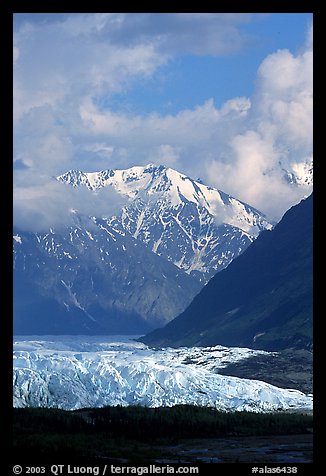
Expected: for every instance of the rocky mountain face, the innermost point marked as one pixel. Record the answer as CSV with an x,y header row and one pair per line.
x,y
134,271
92,279
262,300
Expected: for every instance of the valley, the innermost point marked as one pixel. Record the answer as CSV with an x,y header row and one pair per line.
x,y
119,312
163,233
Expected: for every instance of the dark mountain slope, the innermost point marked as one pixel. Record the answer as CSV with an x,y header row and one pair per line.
x,y
262,300
90,279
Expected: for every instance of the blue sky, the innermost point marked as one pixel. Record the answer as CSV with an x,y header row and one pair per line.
x,y
188,80
224,97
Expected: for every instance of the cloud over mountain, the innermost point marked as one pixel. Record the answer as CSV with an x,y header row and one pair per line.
x,y
71,70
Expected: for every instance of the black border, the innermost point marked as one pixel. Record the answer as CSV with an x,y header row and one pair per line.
x,y
250,6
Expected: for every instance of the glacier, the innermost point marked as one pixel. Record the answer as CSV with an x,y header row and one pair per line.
x,y
73,372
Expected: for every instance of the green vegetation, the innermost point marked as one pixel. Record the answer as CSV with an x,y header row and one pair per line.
x,y
262,300
129,433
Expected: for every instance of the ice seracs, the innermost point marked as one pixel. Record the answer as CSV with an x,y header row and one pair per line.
x,y
72,372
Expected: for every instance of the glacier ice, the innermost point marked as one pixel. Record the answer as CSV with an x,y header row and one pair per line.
x,y
72,372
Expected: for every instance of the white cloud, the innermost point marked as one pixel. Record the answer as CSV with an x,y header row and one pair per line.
x,y
166,154
254,174
66,66
49,203
189,126
69,58
284,95
42,142
239,105
71,55
101,149
278,134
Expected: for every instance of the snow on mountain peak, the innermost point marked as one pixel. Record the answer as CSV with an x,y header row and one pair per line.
x,y
300,174
197,227
158,181
17,239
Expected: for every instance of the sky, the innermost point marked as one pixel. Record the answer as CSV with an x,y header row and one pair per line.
x,y
224,97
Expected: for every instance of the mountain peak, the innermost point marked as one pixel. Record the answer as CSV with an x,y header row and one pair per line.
x,y
197,227
158,182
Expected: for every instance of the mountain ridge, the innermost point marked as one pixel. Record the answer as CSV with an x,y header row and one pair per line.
x,y
198,228
262,300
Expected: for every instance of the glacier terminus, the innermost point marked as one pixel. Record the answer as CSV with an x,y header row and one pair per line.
x,y
73,372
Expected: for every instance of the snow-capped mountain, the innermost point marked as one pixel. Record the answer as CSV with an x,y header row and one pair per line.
x,y
136,270
70,373
198,228
300,175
